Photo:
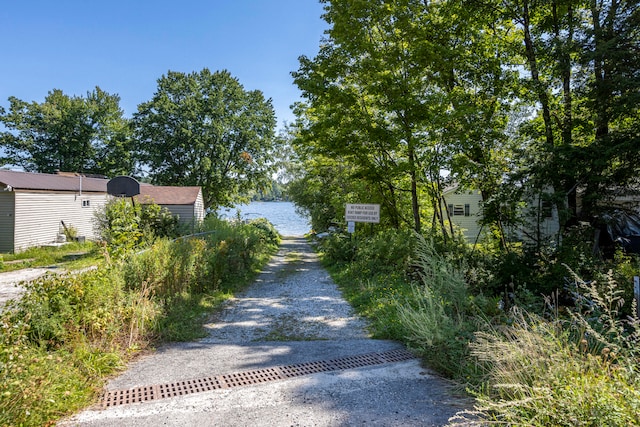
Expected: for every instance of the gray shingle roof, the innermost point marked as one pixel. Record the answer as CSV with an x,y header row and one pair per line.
x,y
51,182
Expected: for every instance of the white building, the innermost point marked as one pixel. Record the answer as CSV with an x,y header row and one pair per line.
x,y
34,206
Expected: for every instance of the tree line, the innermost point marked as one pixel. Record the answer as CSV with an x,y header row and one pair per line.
x,y
200,128
514,98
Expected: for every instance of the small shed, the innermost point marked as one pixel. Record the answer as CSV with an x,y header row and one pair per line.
x,y
33,207
185,202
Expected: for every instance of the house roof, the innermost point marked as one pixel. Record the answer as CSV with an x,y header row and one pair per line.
x,y
51,182
164,195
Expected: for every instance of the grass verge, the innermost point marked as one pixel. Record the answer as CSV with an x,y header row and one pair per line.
x,y
578,368
71,255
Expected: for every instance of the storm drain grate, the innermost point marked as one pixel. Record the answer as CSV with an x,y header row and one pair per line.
x,y
181,388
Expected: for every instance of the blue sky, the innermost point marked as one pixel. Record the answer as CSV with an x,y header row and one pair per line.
x,y
124,46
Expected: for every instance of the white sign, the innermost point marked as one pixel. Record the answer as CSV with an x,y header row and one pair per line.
x,y
362,212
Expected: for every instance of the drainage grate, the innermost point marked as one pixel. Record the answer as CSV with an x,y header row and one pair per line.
x,y
181,388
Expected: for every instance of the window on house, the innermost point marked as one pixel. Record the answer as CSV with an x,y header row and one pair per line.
x,y
547,209
459,210
86,203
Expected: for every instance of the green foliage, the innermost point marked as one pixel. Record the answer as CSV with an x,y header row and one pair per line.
x,y
78,134
273,191
438,312
157,221
339,248
525,274
267,229
67,334
127,226
70,233
72,255
205,129
581,371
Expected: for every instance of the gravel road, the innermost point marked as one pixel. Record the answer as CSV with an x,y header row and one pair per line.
x,y
11,282
292,318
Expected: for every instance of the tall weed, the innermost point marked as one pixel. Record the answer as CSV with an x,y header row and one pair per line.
x,y
438,313
581,371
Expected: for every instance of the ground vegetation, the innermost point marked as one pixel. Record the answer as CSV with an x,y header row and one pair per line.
x,y
68,333
519,101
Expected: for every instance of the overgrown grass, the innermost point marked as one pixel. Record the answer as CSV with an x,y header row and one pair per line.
x,y
68,333
577,367
72,255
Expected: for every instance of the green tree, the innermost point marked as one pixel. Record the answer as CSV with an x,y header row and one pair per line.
x,y
400,91
68,133
583,79
204,129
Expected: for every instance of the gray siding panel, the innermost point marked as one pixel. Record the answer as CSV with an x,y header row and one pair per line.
x,y
7,221
184,211
39,216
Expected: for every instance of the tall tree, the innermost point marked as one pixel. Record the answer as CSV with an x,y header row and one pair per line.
x,y
204,129
68,133
583,76
399,90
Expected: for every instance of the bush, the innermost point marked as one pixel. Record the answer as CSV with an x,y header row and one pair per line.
x,y
339,248
128,227
66,334
581,371
267,229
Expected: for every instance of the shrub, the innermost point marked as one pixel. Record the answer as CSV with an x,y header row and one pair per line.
x,y
127,227
267,229
581,371
437,314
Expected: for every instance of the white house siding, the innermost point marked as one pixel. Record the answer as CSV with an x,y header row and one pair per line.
x,y
39,215
198,208
468,224
7,219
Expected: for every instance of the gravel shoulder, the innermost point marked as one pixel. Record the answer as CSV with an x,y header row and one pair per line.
x,y
11,282
293,314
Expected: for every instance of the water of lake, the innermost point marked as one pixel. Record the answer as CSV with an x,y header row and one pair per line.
x,y
282,215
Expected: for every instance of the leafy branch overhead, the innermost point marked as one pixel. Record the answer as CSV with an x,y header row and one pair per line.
x,y
505,96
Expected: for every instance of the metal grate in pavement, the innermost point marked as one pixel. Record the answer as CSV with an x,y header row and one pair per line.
x,y
181,388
